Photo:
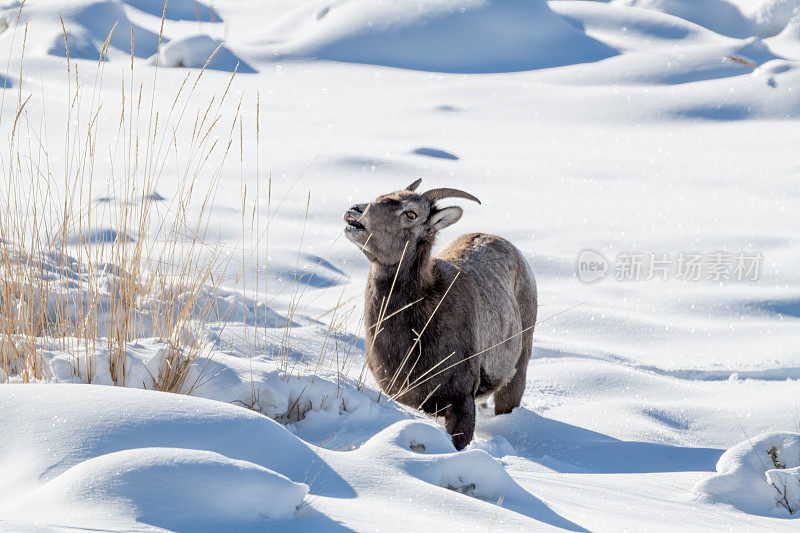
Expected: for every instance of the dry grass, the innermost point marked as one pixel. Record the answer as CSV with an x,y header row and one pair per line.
x,y
742,61
69,281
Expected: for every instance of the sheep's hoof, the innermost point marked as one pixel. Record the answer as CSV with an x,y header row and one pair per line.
x,y
460,441
417,447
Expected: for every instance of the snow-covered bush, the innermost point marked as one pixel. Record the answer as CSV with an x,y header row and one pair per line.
x,y
200,51
759,476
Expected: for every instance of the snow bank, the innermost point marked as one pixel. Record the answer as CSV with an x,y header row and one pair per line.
x,y
440,35
87,26
195,51
733,18
759,476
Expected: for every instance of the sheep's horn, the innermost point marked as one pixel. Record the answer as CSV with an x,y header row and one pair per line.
x,y
438,194
413,186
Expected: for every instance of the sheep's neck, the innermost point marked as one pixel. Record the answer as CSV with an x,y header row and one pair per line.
x,y
410,284
410,280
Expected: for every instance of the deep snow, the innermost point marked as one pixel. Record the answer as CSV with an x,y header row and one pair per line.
x,y
652,134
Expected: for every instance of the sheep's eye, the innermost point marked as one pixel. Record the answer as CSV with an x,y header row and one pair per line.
x,y
411,215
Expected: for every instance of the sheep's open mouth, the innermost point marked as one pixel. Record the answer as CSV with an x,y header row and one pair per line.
x,y
355,224
352,222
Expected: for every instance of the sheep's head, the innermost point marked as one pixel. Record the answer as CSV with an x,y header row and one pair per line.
x,y
383,227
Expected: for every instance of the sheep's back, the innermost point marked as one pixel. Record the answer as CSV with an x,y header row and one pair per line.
x,y
497,284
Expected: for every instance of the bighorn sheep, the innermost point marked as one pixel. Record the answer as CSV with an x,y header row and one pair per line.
x,y
443,331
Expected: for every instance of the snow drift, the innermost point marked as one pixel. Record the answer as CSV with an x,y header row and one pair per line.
x,y
442,35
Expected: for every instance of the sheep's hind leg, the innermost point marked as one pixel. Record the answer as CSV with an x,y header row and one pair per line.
x,y
510,396
460,421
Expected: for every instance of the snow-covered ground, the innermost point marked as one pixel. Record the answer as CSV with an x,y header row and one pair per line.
x,y
634,129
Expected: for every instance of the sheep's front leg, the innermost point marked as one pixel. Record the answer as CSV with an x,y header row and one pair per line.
x,y
460,421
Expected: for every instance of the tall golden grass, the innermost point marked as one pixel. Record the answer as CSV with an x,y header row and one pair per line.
x,y
69,282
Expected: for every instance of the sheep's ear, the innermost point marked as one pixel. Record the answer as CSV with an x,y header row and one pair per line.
x,y
413,186
445,217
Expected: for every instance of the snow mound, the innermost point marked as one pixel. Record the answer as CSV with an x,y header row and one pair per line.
x,y
467,36
628,27
418,437
195,51
173,488
472,472
177,9
759,476
427,454
87,25
787,42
